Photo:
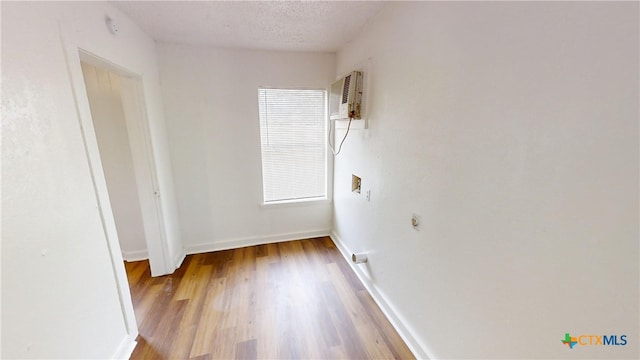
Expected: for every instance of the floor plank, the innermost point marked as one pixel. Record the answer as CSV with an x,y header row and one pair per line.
x,y
290,300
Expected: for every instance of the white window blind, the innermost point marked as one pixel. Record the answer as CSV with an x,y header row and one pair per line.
x,y
294,155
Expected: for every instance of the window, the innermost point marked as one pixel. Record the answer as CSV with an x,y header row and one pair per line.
x,y
294,154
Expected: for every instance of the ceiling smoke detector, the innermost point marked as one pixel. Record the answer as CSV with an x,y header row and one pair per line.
x,y
111,25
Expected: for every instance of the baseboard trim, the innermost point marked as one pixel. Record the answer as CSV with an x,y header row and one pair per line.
x,y
138,255
179,259
253,240
396,321
126,347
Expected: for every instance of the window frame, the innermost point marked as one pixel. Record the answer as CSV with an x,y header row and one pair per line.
x,y
327,163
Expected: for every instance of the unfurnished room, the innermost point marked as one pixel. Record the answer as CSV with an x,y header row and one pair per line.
x,y
320,180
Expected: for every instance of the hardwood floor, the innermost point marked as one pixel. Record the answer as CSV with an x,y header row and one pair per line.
x,y
291,300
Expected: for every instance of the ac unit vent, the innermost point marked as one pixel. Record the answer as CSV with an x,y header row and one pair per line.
x,y
345,89
346,97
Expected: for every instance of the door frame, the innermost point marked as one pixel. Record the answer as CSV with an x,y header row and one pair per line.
x,y
140,143
142,152
156,240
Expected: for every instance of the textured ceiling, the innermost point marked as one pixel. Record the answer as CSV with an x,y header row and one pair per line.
x,y
272,25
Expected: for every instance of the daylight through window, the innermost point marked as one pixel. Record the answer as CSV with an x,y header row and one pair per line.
x,y
292,133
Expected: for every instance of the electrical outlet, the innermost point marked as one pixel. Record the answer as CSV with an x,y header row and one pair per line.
x,y
367,195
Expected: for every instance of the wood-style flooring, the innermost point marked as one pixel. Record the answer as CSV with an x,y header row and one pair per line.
x,y
290,300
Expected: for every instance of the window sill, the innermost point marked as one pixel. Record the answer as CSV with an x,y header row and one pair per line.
x,y
295,203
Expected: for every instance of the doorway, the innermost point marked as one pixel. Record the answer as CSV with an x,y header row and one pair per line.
x,y
120,151
104,91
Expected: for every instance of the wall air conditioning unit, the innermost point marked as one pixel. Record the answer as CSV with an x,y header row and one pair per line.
x,y
345,100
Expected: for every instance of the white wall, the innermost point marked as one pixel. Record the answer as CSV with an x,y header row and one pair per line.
x,y
211,107
512,130
107,112
61,278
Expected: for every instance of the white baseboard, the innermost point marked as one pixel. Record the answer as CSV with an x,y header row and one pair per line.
x,y
179,258
396,321
135,255
253,240
126,347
